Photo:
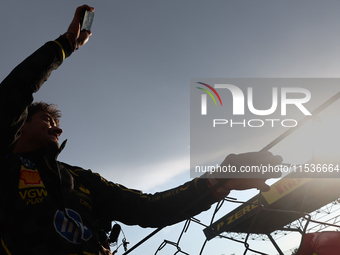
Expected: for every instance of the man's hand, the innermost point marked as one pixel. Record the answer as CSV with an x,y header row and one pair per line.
x,y
249,165
255,180
74,28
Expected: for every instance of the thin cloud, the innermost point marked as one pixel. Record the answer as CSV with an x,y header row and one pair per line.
x,y
147,177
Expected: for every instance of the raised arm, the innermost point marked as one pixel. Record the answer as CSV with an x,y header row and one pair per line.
x,y
16,90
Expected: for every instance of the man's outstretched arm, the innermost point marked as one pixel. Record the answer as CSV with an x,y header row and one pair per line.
x,y
132,207
16,90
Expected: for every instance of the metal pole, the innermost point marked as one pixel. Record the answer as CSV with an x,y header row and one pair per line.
x,y
302,122
275,244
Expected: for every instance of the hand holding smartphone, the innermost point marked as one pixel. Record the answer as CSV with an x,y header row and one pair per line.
x,y
86,21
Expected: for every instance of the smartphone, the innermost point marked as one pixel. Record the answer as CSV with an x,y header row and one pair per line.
x,y
86,21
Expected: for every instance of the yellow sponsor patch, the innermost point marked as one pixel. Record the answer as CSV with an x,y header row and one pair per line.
x,y
30,178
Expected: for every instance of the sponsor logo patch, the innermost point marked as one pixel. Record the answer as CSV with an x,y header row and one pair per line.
x,y
30,178
71,228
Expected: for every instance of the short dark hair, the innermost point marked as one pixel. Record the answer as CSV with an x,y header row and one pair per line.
x,y
51,109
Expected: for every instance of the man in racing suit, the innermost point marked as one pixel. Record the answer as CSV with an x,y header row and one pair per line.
x,y
49,207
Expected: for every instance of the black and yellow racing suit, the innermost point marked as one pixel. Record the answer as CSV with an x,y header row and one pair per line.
x,y
49,207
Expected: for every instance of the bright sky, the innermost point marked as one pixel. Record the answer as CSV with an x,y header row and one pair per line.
x,y
125,95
